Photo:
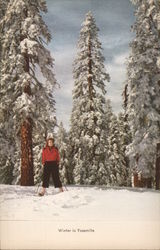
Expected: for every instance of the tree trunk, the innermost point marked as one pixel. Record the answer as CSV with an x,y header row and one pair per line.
x,y
135,180
27,175
158,167
125,96
139,181
26,154
146,182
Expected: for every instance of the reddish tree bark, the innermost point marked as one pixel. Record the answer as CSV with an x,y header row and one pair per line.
x,y
27,178
135,180
140,181
26,154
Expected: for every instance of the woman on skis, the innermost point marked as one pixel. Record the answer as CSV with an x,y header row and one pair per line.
x,y
50,162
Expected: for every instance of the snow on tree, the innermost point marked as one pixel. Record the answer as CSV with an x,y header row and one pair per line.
x,y
24,98
125,134
108,116
143,107
105,170
6,172
87,134
3,8
38,144
62,141
6,137
124,140
116,156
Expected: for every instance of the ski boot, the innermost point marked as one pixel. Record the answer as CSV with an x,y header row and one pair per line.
x,y
42,192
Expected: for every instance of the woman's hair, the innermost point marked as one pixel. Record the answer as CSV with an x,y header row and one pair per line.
x,y
48,140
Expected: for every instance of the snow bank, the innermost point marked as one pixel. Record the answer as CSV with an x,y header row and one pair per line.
x,y
82,217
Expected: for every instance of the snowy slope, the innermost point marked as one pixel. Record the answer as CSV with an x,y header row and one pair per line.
x,y
96,211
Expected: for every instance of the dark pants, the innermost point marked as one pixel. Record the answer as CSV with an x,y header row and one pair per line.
x,y
51,168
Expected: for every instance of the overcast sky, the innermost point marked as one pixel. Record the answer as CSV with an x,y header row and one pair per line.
x,y
114,19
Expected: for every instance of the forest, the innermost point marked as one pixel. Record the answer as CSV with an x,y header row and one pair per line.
x,y
100,148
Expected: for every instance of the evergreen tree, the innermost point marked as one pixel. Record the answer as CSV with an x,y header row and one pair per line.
x,y
25,100
3,8
6,172
126,131
105,170
38,144
108,116
143,88
87,119
125,139
63,144
6,137
116,156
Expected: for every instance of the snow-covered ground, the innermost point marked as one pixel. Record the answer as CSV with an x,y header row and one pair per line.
x,y
82,217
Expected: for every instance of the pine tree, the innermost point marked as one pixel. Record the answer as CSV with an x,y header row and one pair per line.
x,y
108,115
105,170
6,172
116,156
3,8
7,141
87,119
143,88
63,144
24,97
38,144
124,139
126,131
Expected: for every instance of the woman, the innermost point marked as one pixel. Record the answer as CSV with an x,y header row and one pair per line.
x,y
50,161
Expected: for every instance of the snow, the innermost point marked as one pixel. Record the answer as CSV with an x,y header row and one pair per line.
x,y
28,45
92,217
158,62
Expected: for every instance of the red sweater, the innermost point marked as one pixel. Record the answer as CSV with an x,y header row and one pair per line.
x,y
50,154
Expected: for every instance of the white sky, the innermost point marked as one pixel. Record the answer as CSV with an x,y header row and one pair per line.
x,y
114,19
